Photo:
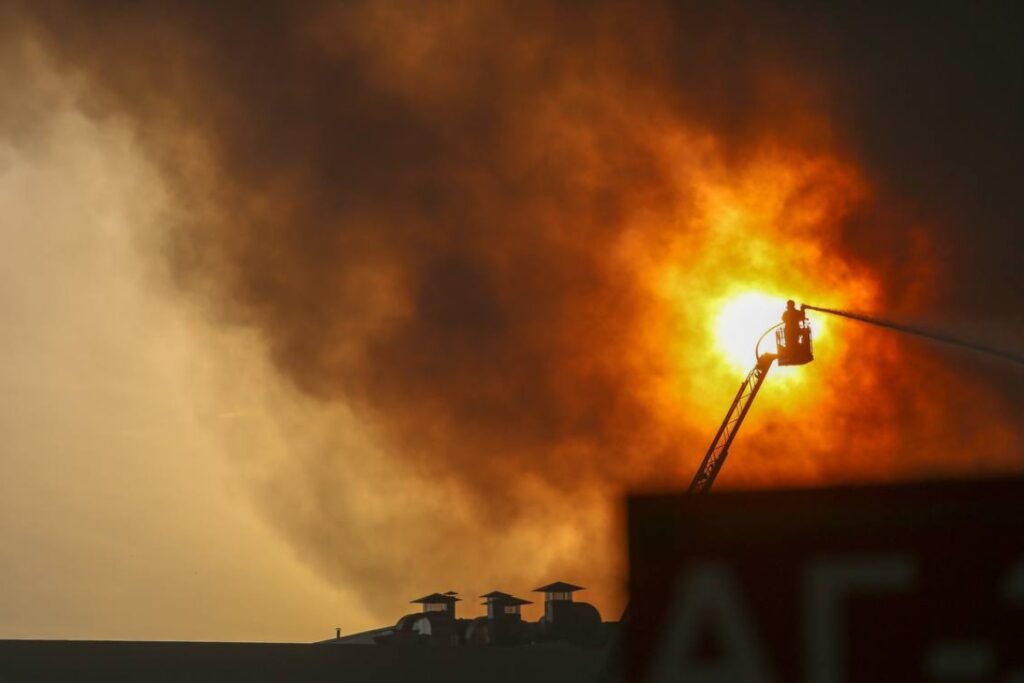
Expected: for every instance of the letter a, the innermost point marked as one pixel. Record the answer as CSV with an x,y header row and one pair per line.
x,y
706,602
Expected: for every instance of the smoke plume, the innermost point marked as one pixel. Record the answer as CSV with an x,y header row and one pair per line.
x,y
498,235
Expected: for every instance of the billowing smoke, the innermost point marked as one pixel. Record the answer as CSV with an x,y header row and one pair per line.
x,y
498,234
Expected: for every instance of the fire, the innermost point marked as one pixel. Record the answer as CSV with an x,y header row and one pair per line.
x,y
544,284
751,236
746,320
741,322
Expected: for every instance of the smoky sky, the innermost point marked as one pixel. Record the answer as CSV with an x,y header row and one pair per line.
x,y
413,204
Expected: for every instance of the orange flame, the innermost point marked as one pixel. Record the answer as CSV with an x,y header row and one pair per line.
x,y
536,257
745,240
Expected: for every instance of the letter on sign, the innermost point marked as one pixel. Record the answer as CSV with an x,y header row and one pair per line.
x,y
826,583
707,604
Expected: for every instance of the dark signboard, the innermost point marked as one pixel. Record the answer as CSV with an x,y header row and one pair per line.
x,y
920,582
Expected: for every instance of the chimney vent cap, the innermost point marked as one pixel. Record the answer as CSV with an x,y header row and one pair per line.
x,y
558,587
437,599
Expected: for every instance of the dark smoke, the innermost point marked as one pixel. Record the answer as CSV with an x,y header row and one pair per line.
x,y
415,204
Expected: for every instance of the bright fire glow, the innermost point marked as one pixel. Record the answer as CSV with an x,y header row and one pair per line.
x,y
742,321
750,237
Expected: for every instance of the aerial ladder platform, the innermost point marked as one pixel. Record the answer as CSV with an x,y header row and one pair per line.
x,y
793,347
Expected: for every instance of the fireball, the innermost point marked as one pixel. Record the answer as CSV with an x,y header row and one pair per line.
x,y
741,322
750,237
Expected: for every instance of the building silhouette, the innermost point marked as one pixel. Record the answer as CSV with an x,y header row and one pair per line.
x,y
564,621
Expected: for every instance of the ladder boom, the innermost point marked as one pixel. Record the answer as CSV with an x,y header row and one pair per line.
x,y
719,449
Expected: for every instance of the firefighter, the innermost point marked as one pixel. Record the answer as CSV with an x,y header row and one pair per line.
x,y
792,319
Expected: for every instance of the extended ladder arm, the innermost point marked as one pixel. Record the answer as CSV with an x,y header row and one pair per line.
x,y
719,448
